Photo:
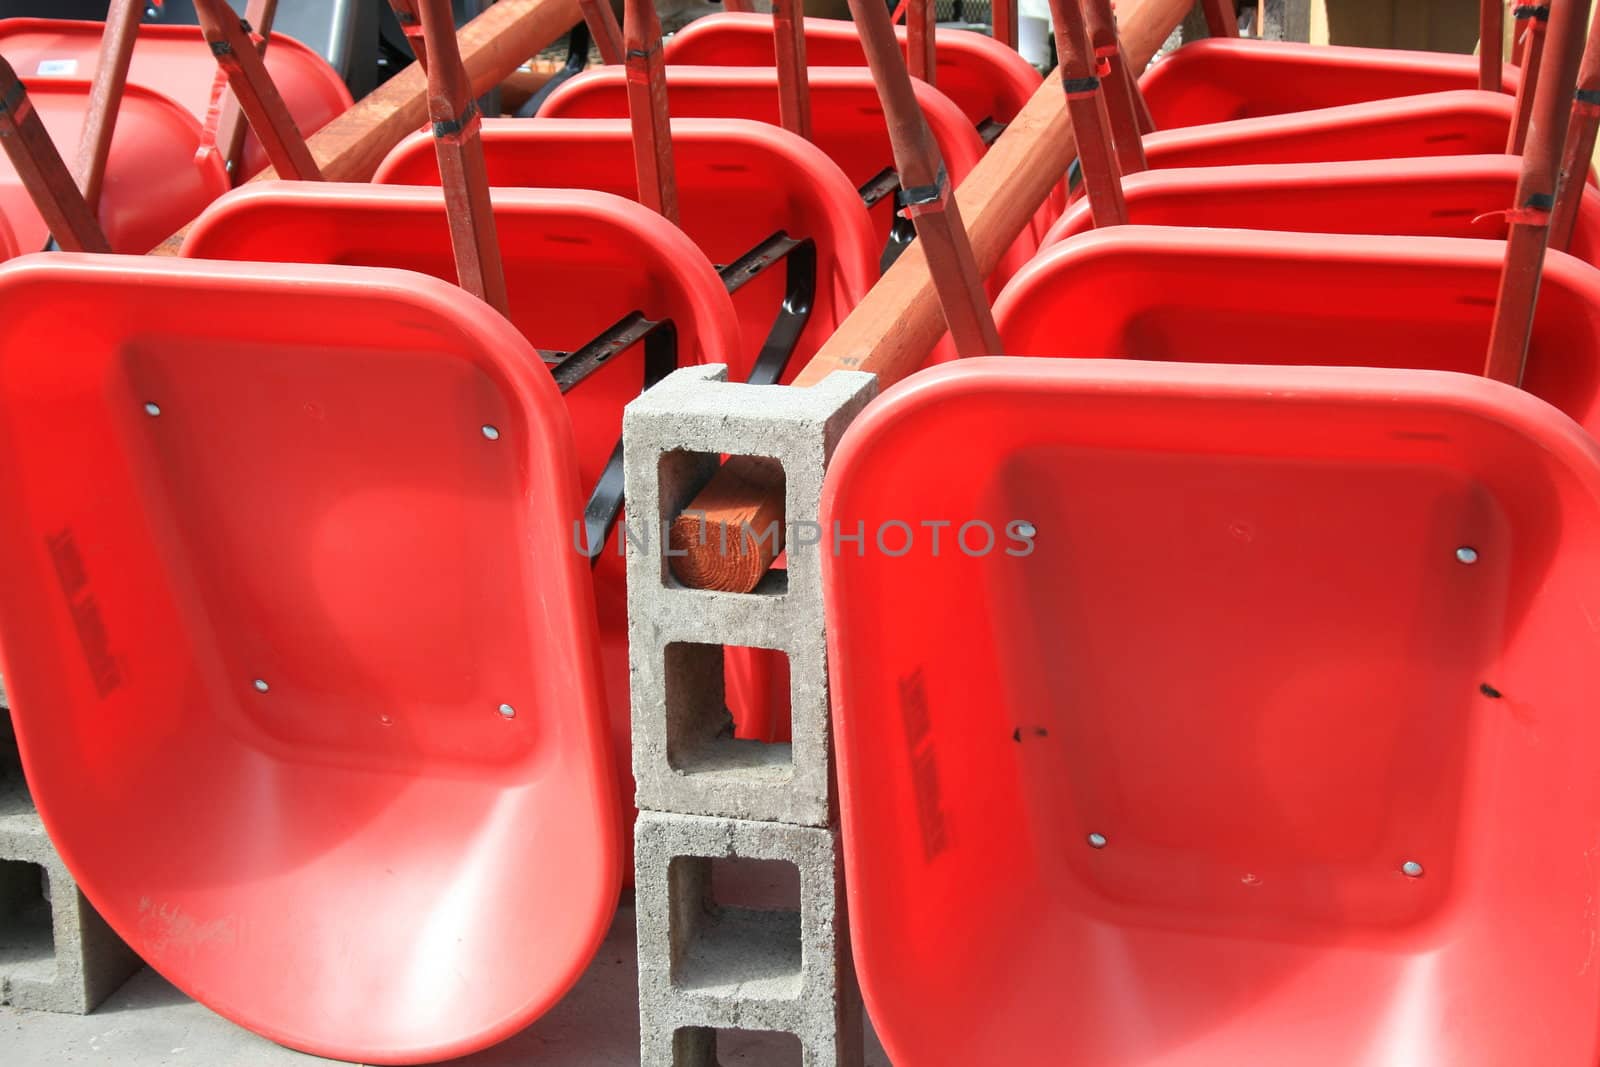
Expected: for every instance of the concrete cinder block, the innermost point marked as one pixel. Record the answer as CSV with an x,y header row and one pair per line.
x,y
707,965
56,953
685,758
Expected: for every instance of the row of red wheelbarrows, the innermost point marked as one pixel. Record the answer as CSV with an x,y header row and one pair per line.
x,y
303,654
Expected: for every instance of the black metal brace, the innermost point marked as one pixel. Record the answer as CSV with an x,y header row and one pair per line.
x,y
577,59
903,231
799,295
660,337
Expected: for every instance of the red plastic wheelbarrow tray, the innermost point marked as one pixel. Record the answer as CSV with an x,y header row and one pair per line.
x,y
174,61
1460,196
847,122
1150,293
298,652
154,182
1217,79
576,263
1461,122
1265,738
986,80
739,182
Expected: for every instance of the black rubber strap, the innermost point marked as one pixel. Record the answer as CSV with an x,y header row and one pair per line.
x,y
13,98
1531,11
451,127
917,195
1540,201
1587,96
1080,85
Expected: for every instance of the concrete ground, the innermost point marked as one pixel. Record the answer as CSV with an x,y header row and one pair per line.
x,y
148,1023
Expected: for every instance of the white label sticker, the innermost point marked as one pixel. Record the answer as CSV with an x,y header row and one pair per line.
x,y
57,67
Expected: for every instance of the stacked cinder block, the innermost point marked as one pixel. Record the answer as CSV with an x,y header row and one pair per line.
x,y
712,801
56,953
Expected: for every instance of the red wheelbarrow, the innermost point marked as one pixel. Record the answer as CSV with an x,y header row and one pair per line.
x,y
1221,78
1261,297
299,652
988,81
739,183
848,126
1247,717
174,61
1463,122
586,273
1461,196
154,182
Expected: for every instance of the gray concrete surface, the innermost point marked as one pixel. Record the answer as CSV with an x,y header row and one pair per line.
x,y
685,757
761,948
148,1023
56,953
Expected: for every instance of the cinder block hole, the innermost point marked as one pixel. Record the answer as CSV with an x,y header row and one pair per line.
x,y
720,539
728,714
735,926
696,1045
27,941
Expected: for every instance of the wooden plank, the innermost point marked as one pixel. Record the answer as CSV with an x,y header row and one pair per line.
x,y
898,322
493,45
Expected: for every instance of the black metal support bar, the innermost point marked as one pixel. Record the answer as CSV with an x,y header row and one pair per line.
x,y
660,339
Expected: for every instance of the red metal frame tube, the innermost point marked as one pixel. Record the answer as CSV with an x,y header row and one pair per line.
x,y
1003,15
1536,189
44,174
269,116
456,123
1086,107
794,87
1221,19
105,96
1537,19
604,29
231,125
921,58
1582,129
1491,44
925,186
647,108
405,13
1121,91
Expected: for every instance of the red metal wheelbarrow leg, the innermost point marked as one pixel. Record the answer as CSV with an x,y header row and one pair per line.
x,y
926,187
232,126
647,107
456,121
1533,23
45,176
1580,144
794,85
1086,104
110,79
410,19
1221,18
603,29
1124,103
1536,194
1491,45
252,86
